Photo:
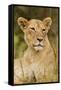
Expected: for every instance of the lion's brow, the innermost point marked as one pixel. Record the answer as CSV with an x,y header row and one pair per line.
x,y
38,24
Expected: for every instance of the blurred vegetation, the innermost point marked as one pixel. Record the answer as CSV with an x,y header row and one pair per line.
x,y
36,13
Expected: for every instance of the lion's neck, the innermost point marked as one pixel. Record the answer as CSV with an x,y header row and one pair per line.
x,y
36,55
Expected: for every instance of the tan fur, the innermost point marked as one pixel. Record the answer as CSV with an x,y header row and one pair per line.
x,y
38,62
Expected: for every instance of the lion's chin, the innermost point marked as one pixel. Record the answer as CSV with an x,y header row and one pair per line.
x,y
38,48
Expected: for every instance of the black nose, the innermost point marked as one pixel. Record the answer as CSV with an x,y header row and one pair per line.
x,y
39,39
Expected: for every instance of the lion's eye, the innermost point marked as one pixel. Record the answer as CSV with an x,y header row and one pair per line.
x,y
33,29
43,30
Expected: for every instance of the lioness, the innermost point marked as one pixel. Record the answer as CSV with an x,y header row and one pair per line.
x,y
38,62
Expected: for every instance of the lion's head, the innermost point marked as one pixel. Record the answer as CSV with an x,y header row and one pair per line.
x,y
35,31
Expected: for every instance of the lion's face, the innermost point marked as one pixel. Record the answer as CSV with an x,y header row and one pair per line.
x,y
35,31
35,34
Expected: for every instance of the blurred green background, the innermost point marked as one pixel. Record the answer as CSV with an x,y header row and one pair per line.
x,y
30,12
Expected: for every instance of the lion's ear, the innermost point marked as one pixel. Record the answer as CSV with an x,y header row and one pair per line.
x,y
22,22
47,22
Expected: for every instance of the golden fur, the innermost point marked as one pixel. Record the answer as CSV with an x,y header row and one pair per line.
x,y
38,62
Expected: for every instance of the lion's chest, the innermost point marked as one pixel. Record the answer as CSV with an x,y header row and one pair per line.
x,y
37,65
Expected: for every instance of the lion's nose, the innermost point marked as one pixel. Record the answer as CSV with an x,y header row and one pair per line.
x,y
39,39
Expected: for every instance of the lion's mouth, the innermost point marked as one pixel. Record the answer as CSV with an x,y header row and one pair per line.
x,y
39,45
